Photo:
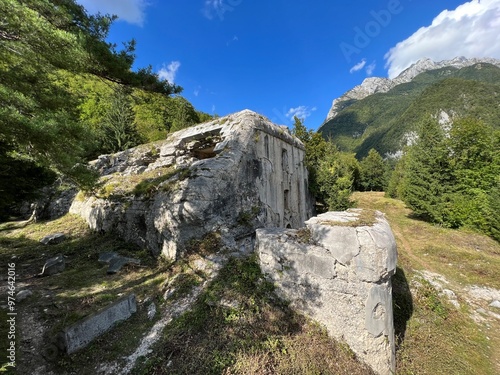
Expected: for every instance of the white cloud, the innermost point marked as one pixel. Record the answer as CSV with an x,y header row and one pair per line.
x,y
169,72
301,112
132,11
358,66
471,30
214,8
371,68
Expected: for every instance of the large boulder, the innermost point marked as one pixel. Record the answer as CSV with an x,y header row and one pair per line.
x,y
338,271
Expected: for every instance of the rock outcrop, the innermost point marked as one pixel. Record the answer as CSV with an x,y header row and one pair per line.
x,y
228,176
373,85
338,271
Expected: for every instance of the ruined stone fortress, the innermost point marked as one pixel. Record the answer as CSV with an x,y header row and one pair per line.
x,y
243,179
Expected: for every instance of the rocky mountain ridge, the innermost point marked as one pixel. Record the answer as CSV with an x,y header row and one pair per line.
x,y
373,85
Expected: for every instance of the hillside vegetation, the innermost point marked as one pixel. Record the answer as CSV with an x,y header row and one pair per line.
x,y
67,96
236,325
386,121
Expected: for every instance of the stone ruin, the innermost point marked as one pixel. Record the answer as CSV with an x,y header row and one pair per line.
x,y
244,178
236,174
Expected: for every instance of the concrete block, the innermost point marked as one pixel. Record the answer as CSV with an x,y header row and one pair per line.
x,y
80,334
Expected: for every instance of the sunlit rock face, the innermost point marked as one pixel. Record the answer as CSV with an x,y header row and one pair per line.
x,y
338,272
228,176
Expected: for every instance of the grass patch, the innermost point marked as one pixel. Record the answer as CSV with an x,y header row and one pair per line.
x,y
434,337
238,326
81,289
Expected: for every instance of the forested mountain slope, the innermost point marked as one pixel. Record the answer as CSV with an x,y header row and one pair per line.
x,y
387,121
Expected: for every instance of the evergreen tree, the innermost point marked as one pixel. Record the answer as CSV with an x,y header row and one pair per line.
x,y
427,179
372,170
336,176
119,131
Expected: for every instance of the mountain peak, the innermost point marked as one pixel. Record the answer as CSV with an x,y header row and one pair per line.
x,y
373,85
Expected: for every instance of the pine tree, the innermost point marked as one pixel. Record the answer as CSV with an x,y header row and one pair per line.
x,y
372,171
427,179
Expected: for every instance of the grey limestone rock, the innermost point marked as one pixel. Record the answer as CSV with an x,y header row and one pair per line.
x,y
342,279
53,239
54,266
115,261
23,294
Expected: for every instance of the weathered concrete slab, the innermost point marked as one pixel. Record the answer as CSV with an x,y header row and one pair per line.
x,y
80,334
341,279
239,173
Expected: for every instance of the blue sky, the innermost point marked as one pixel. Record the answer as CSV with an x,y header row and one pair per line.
x,y
281,58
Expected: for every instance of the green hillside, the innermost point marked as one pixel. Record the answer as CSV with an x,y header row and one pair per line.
x,y
383,120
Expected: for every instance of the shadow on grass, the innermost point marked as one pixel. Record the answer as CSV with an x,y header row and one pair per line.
x,y
402,305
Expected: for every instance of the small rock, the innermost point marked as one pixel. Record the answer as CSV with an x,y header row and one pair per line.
x,y
53,239
229,304
53,266
495,304
168,293
151,311
23,294
115,261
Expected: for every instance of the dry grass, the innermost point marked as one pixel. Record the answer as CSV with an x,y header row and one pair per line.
x,y
365,217
238,326
435,337
83,288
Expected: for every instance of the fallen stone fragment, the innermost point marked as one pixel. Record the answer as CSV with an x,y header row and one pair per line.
x,y
23,294
53,239
80,334
115,261
54,266
151,311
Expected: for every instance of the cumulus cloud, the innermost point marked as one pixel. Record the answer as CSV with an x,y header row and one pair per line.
x,y
169,72
132,11
471,30
358,66
301,112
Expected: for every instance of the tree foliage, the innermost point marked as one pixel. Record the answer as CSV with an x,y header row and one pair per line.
x,y
453,179
44,44
372,172
332,174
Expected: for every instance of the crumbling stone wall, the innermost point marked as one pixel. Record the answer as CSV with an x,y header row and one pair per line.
x,y
339,273
240,172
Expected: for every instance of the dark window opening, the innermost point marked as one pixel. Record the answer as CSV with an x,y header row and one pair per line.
x,y
286,199
284,160
266,144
